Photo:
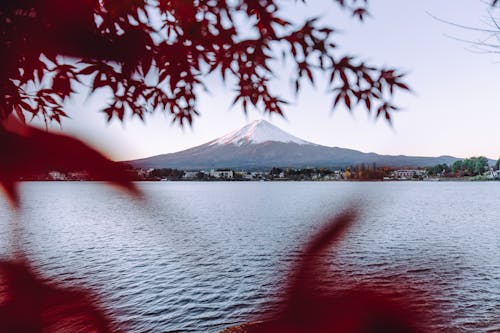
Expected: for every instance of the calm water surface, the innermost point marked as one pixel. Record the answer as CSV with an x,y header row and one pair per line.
x,y
201,256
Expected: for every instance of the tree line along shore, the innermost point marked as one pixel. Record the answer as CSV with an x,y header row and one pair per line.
x,y
475,168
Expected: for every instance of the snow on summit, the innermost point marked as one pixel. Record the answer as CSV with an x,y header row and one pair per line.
x,y
258,131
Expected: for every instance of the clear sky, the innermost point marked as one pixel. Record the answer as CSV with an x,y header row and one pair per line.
x,y
455,108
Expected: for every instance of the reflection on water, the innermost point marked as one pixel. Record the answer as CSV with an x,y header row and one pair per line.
x,y
201,256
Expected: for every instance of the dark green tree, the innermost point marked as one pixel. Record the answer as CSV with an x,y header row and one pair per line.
x,y
439,169
480,165
167,173
457,167
275,171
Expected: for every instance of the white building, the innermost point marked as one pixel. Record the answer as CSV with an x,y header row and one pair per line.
x,y
407,173
222,173
243,175
190,174
493,174
316,176
258,174
56,175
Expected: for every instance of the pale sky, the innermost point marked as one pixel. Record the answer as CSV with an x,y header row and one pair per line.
x,y
455,109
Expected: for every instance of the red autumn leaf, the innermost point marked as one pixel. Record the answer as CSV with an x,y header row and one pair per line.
x,y
347,101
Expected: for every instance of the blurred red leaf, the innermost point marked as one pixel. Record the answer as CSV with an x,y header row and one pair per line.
x,y
26,150
309,307
28,304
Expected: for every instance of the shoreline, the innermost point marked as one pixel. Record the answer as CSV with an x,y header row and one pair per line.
x,y
276,180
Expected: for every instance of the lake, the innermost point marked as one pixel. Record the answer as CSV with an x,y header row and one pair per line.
x,y
201,256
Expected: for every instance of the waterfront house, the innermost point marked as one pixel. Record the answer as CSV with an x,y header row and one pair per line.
x,y
258,174
190,174
407,173
222,173
492,174
243,175
56,175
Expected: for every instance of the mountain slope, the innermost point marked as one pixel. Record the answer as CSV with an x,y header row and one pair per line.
x,y
261,145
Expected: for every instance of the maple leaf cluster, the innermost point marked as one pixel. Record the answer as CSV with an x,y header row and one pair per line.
x,y
153,55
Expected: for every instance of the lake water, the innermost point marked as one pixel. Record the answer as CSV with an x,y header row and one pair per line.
x,y
199,257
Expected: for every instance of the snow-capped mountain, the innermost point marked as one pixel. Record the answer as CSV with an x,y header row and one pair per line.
x,y
261,145
256,132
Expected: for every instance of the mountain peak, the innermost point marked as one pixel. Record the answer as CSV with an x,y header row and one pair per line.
x,y
256,132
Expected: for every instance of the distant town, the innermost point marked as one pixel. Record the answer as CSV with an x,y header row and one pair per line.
x,y
475,168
